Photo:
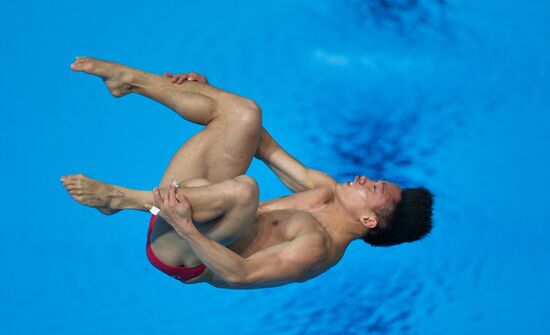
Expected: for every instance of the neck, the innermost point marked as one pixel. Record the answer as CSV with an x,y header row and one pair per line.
x,y
337,221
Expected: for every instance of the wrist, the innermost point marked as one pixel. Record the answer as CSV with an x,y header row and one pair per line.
x,y
185,227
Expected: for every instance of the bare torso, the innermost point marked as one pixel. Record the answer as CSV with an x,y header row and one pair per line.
x,y
278,221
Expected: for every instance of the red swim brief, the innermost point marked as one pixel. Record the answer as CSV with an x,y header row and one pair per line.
x,y
180,273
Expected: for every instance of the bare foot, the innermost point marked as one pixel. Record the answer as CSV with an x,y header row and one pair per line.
x,y
93,193
117,77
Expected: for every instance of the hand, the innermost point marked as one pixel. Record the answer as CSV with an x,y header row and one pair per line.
x,y
174,208
191,76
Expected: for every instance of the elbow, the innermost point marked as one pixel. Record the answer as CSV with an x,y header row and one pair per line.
x,y
236,280
241,278
308,183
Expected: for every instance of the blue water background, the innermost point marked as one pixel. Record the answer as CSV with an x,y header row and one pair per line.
x,y
452,95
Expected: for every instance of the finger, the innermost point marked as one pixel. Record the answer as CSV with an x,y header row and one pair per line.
x,y
172,195
157,197
175,198
182,199
182,78
164,196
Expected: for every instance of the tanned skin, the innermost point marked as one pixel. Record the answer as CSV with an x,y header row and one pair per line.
x,y
214,217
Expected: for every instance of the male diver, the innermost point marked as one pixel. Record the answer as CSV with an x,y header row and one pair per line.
x,y
211,227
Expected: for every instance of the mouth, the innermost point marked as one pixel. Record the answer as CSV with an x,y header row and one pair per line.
x,y
360,180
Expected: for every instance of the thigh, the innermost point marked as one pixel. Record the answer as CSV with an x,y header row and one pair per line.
x,y
238,218
222,150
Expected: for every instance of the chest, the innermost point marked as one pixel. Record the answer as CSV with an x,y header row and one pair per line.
x,y
272,228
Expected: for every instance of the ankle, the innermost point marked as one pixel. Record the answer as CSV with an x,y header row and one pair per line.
x,y
131,199
137,80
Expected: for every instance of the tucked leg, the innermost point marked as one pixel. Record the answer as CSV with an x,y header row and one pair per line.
x,y
229,209
222,150
221,211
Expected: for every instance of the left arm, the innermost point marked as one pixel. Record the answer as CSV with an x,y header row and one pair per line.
x,y
290,171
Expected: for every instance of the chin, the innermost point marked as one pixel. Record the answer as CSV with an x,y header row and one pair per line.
x,y
342,193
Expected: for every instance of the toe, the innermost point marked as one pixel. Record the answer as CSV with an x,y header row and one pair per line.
x,y
81,64
76,177
69,184
76,66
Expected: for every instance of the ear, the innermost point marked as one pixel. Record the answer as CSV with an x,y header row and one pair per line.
x,y
369,221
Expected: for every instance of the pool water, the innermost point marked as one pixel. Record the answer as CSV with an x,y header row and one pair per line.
x,y
448,95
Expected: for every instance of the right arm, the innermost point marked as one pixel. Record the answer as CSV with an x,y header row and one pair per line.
x,y
292,172
291,261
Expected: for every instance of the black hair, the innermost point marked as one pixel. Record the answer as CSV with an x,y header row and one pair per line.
x,y
407,221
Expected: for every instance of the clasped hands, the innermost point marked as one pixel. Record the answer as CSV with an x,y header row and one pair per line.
x,y
191,76
174,208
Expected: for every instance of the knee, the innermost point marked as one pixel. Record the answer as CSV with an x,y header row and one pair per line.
x,y
248,115
246,190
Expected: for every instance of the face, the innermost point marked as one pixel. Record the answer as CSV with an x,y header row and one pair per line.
x,y
361,195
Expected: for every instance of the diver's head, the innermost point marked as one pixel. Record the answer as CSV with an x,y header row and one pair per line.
x,y
388,214
363,197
